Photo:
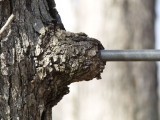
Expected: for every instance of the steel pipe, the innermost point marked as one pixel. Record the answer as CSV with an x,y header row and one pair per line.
x,y
130,55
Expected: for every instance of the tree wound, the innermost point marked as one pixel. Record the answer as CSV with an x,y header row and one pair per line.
x,y
65,57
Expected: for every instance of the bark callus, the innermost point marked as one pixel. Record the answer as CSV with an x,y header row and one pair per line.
x,y
62,58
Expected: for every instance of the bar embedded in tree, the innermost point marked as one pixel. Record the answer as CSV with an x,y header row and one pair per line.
x,y
130,55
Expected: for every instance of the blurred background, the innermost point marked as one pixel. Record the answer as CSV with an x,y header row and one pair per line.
x,y
127,90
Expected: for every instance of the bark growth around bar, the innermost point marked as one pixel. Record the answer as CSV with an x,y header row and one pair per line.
x,y
39,59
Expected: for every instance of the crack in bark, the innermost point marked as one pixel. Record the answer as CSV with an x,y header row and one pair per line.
x,y
28,5
11,7
10,96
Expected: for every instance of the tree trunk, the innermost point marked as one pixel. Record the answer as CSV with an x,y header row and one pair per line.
x,y
39,59
131,87
128,90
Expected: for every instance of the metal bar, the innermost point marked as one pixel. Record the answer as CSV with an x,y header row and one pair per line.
x,y
130,55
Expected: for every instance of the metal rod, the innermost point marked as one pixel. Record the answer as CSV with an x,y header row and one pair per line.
x,y
130,55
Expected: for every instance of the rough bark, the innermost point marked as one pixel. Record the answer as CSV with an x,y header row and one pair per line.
x,y
128,91
39,59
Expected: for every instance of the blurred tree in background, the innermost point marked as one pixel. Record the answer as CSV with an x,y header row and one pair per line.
x,y
127,91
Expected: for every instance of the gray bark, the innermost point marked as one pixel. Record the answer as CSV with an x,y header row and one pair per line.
x,y
39,59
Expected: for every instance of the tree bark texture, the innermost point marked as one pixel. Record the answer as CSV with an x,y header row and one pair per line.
x,y
128,91
39,59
